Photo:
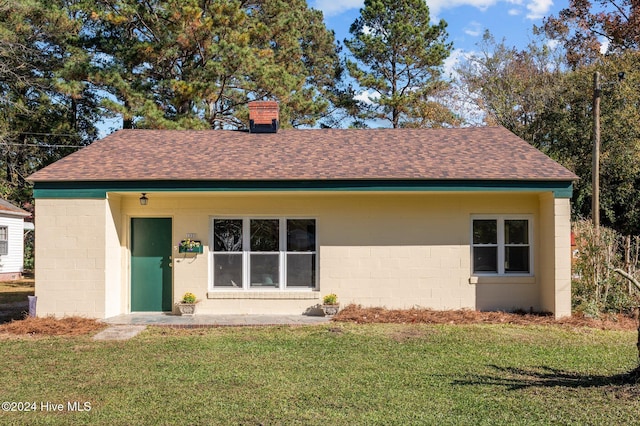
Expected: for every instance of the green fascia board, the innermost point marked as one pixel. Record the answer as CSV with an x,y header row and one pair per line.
x,y
99,189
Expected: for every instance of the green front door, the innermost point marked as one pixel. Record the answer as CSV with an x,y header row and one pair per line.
x,y
150,264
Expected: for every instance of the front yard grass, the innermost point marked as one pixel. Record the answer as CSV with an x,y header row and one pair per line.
x,y
16,291
13,298
345,374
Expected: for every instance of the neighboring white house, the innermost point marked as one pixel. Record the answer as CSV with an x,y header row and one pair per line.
x,y
12,228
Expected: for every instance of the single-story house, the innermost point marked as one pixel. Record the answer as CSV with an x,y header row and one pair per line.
x,y
268,221
12,227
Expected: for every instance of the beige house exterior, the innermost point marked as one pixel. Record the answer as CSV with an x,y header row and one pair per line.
x,y
441,219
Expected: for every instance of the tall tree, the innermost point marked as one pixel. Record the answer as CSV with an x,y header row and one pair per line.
x,y
585,24
512,86
398,57
196,63
47,107
550,105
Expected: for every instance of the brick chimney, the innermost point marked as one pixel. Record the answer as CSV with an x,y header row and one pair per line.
x,y
264,117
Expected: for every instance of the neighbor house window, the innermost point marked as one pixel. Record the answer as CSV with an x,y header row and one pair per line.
x,y
4,240
253,253
501,245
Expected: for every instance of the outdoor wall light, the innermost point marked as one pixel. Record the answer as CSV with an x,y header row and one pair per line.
x,y
144,200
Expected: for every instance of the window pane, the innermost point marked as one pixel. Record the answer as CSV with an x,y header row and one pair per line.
x,y
516,231
227,235
227,270
516,259
301,270
4,233
485,232
485,259
301,235
265,235
265,270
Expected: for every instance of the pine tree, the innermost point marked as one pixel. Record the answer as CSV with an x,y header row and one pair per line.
x,y
48,108
398,61
195,64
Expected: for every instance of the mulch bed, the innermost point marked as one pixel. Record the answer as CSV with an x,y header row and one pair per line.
x,y
49,326
74,326
360,315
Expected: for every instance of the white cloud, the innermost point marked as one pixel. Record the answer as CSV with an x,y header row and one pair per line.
x,y
553,43
336,7
474,29
539,8
366,96
604,45
453,61
435,6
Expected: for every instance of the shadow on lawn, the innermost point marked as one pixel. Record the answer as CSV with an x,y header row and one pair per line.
x,y
623,385
16,311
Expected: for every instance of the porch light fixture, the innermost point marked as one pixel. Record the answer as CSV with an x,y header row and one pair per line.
x,y
144,200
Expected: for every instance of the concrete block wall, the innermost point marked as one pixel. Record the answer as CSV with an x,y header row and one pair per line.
x,y
386,249
70,256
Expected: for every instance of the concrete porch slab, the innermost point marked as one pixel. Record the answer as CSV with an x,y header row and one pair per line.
x,y
196,321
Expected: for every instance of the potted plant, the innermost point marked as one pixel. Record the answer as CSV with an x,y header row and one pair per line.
x,y
187,305
190,246
330,305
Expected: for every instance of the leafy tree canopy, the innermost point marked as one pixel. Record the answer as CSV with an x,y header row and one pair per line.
x,y
196,63
533,93
47,107
583,25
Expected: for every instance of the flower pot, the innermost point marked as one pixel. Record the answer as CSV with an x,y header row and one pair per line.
x,y
197,247
330,310
187,309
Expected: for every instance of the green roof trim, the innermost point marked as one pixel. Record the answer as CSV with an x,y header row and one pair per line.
x,y
99,189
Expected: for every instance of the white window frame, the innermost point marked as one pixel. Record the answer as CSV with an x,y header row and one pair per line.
x,y
246,254
501,246
4,243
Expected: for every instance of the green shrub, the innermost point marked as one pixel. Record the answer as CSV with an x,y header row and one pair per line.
x,y
330,299
189,298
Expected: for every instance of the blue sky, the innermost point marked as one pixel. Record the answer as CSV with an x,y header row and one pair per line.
x,y
466,19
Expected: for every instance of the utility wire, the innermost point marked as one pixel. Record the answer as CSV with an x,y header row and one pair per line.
x,y
41,145
46,134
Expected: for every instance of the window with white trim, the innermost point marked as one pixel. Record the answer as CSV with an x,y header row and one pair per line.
x,y
4,240
263,253
501,245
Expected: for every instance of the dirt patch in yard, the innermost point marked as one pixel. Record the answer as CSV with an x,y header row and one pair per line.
x,y
361,315
49,326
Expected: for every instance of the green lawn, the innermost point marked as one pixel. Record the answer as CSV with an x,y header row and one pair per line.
x,y
16,291
342,374
12,292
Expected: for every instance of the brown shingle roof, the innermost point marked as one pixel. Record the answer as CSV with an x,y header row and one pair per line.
x,y
485,153
8,208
